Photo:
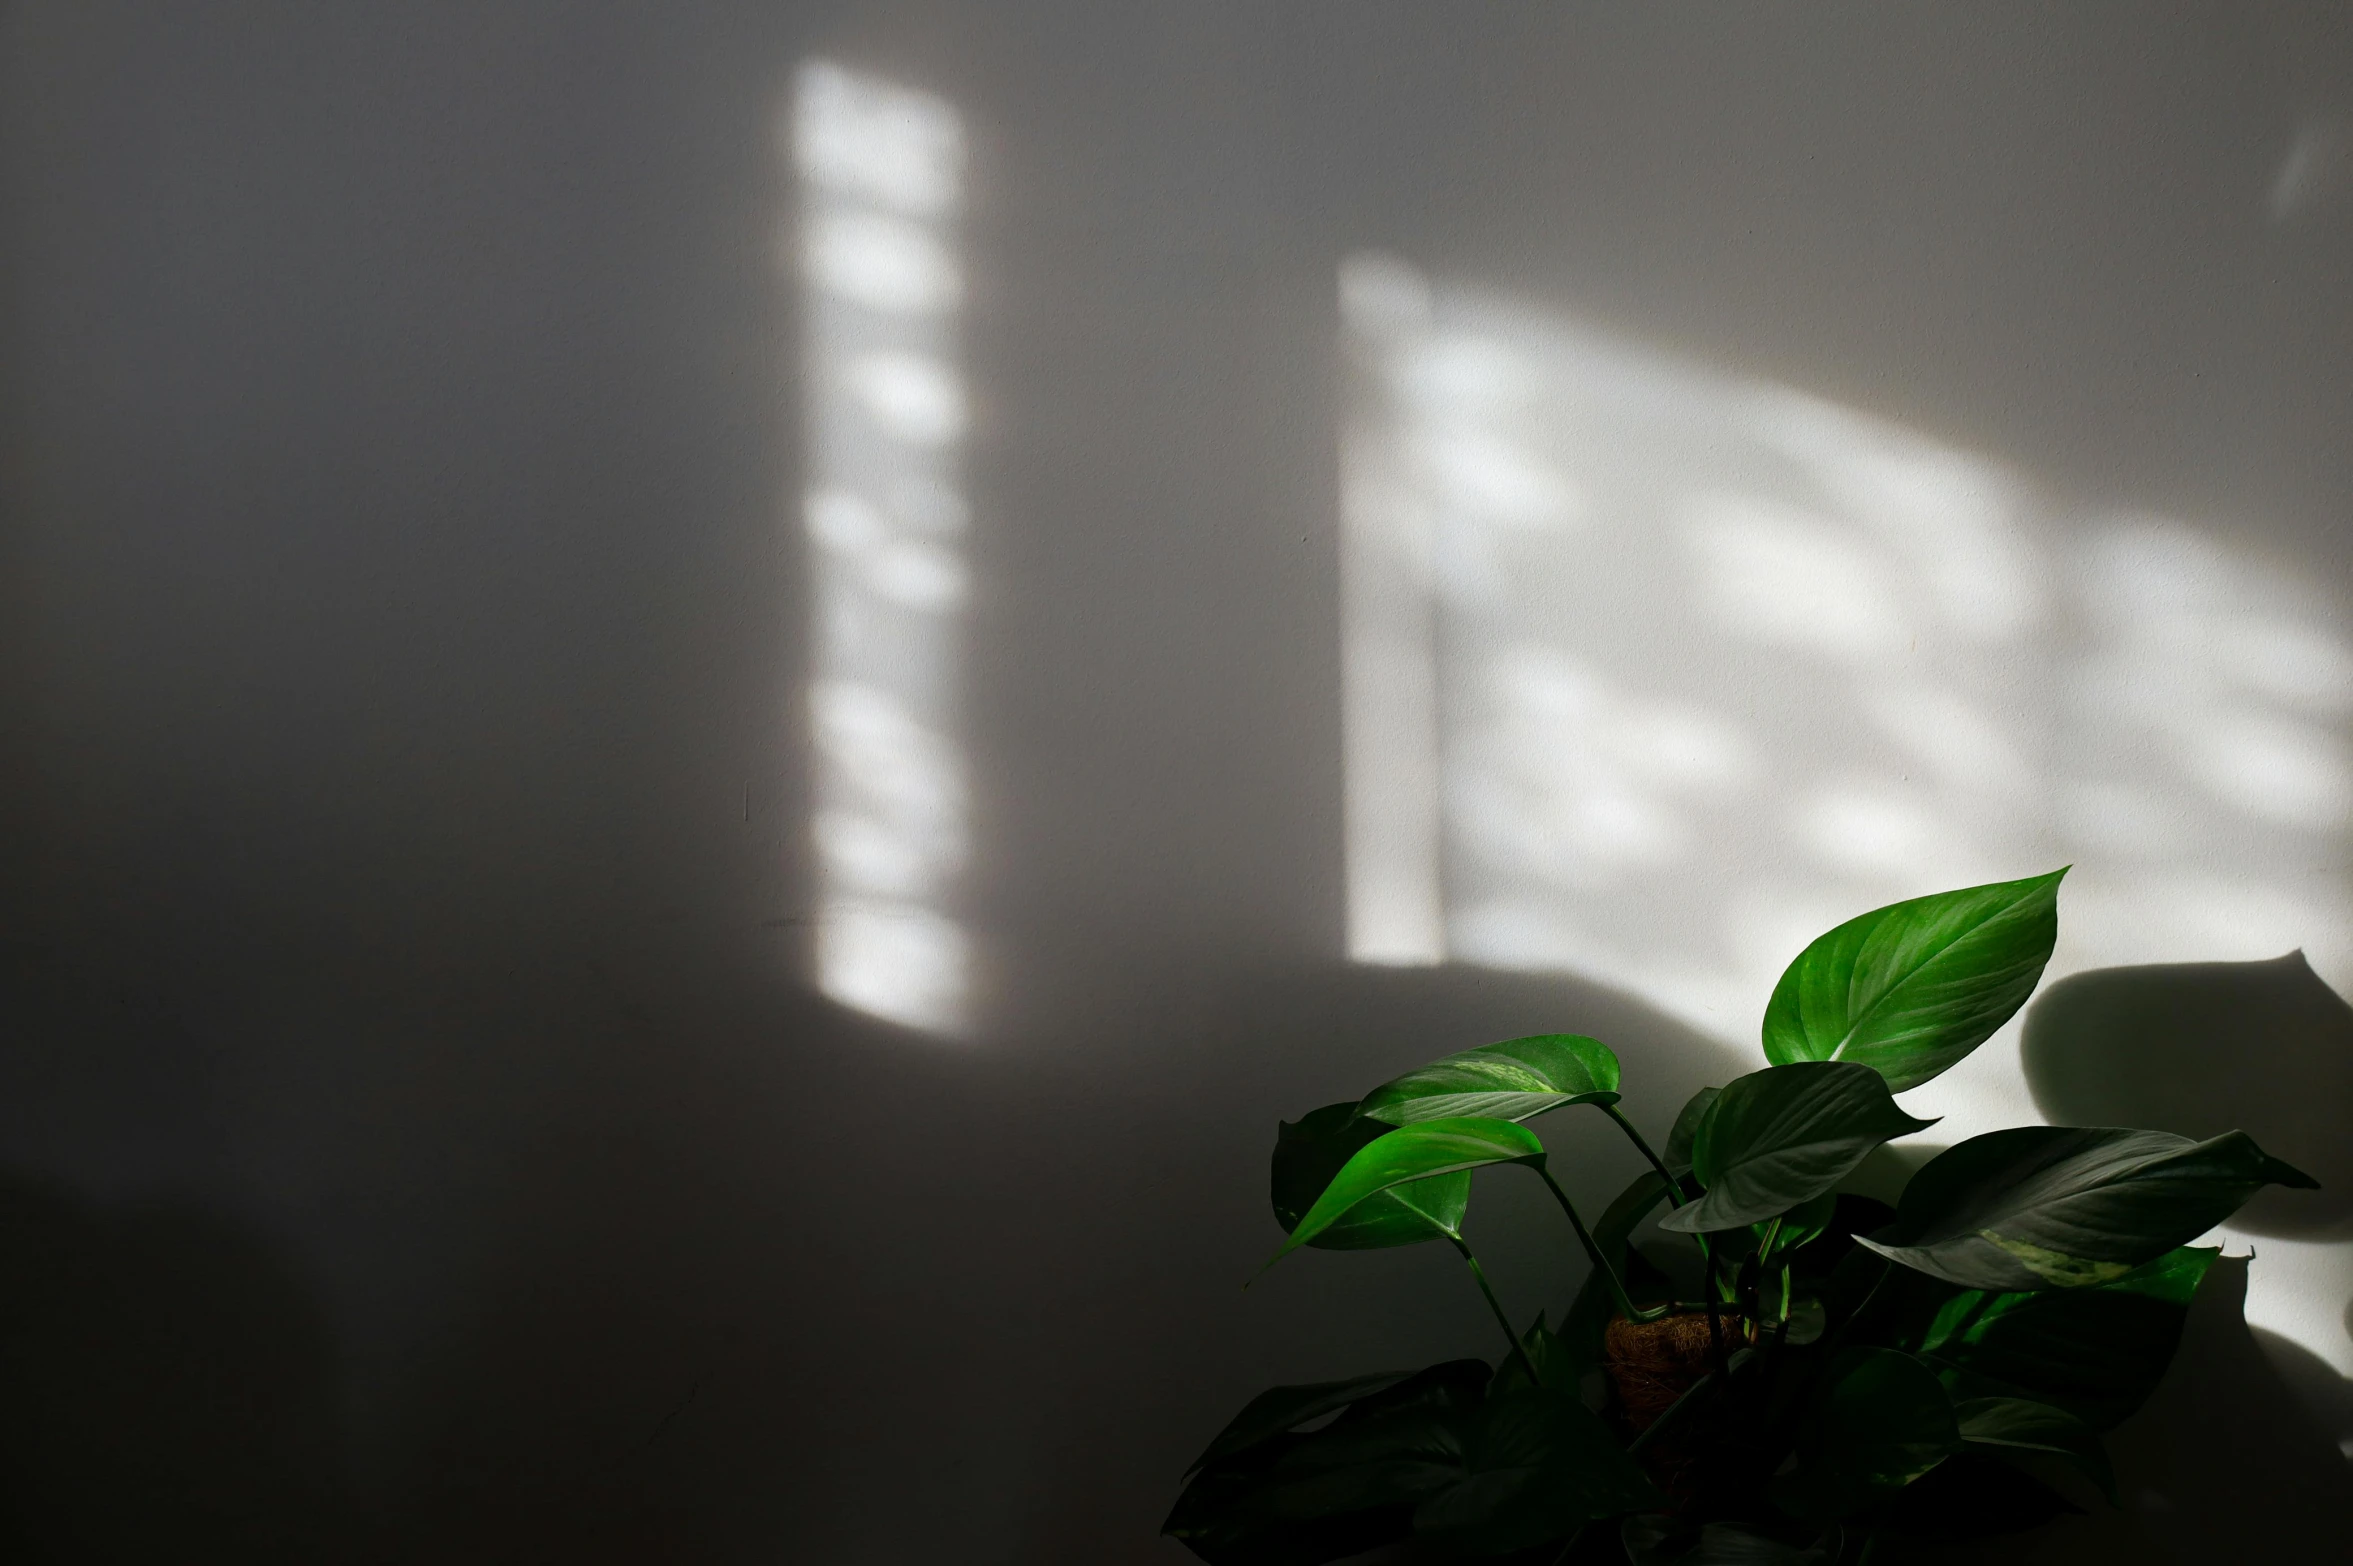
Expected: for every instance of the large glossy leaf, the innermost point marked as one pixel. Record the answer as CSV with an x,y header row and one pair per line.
x,y
1911,988
2039,1207
1314,1148
1785,1135
1513,1080
1298,1500
2097,1353
2004,1425
1410,1153
1686,1128
1538,1465
1884,1421
1279,1409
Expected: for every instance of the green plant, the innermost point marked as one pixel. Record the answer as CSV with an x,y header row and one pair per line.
x,y
1831,1372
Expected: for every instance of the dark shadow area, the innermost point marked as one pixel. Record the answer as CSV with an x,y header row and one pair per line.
x,y
167,1391
2222,1465
863,1295
2203,1048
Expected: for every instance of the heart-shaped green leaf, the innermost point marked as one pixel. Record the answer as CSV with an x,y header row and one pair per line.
x,y
2014,1424
1539,1464
1785,1135
1686,1128
2097,1353
2039,1207
1911,988
1883,1422
1513,1080
1314,1148
1410,1153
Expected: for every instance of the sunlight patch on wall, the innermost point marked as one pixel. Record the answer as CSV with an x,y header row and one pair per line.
x,y
1653,672
880,170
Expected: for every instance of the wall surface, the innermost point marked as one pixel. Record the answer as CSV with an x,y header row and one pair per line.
x,y
429,1126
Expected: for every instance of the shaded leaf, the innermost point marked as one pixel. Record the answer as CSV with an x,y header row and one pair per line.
x,y
1785,1135
1279,1409
1666,1541
1409,1153
1686,1128
1538,1465
1883,1421
1298,1500
1556,1366
1800,1226
2040,1207
1911,988
2097,1353
1314,1148
2016,1424
1514,1080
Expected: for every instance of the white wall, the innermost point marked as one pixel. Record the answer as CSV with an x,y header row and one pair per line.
x,y
415,1107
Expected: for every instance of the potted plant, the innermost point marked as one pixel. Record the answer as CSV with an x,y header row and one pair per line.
x,y
1827,1373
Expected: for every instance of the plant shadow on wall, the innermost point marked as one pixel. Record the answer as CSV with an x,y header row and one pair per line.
x,y
1817,1377
166,1391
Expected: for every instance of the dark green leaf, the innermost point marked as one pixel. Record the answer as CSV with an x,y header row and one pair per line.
x,y
1513,1080
1665,1541
2097,1353
2015,1424
1311,1150
1538,1465
1884,1421
1556,1366
1279,1409
1800,1225
1297,1500
1911,988
1409,1153
1808,1320
1785,1135
2040,1207
1686,1129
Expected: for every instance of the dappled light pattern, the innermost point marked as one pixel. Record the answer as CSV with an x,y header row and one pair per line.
x,y
1655,671
880,174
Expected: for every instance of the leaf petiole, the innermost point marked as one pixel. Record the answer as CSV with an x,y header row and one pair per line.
x,y
1509,1336
1617,1285
1674,1186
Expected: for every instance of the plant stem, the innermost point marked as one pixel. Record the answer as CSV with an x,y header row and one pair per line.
x,y
1674,1191
1886,1270
1715,1320
1772,1234
1585,1238
1509,1336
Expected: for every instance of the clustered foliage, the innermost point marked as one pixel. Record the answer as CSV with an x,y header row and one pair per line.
x,y
1848,1372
